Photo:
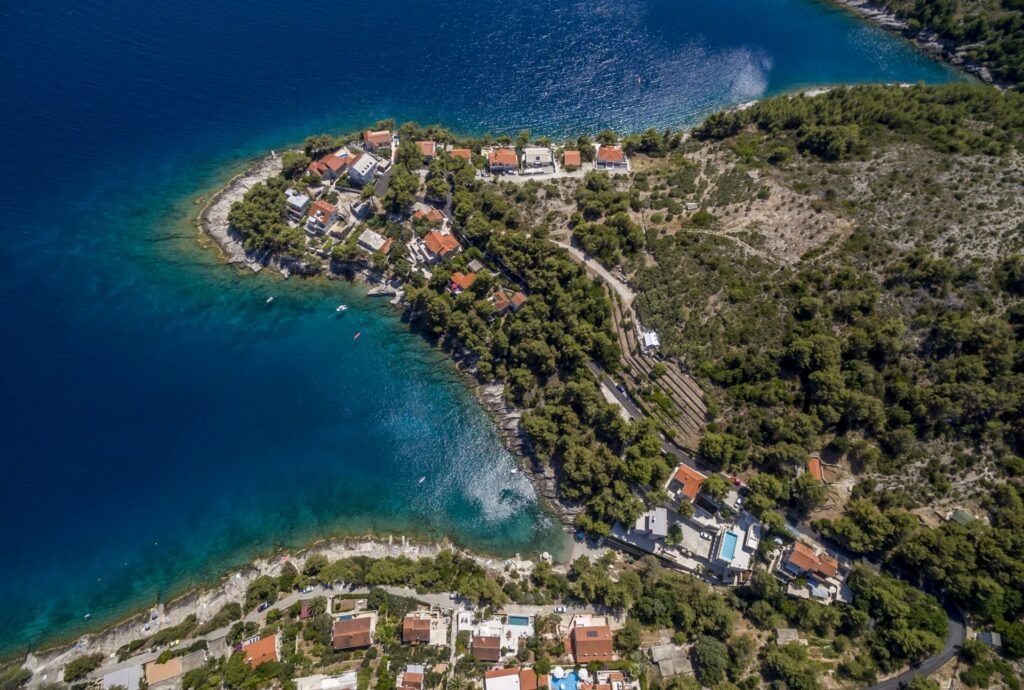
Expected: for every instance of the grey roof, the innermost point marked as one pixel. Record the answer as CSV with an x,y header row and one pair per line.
x,y
128,676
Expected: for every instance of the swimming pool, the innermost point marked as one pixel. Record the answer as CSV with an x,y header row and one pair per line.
x,y
519,620
728,550
569,682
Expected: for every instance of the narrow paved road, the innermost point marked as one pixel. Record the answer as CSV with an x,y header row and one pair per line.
x,y
621,289
956,633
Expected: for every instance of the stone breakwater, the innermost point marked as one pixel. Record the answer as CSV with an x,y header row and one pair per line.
x,y
928,41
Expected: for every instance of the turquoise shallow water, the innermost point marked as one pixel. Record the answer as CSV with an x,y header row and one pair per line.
x,y
158,422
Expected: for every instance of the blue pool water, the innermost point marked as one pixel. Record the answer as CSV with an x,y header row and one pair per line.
x,y
729,541
569,682
518,620
161,424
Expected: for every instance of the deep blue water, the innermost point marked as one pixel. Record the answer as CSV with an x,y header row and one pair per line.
x,y
158,422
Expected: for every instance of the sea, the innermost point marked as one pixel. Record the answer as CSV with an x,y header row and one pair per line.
x,y
160,422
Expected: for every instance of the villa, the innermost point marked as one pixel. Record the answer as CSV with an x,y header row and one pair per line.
x,y
734,548
537,157
331,166
411,678
440,246
353,632
460,282
510,679
296,203
425,627
464,154
803,560
591,640
428,149
363,169
322,215
502,161
432,215
571,159
685,483
518,300
486,648
373,140
374,242
654,522
611,157
262,650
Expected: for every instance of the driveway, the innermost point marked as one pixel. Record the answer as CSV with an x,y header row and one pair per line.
x,y
625,294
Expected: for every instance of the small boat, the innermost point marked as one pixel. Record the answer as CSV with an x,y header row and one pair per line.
x,y
87,616
269,300
341,308
514,470
422,479
356,336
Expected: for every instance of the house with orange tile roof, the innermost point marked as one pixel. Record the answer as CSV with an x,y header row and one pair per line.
x,y
440,245
460,282
804,560
502,160
510,679
501,301
411,678
517,301
431,216
485,648
322,215
464,154
686,482
591,643
611,157
262,650
571,159
373,140
428,149
354,632
425,627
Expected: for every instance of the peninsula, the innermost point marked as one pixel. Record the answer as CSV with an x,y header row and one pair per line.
x,y
776,404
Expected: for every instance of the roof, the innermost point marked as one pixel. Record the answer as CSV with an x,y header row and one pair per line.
x,y
690,479
517,300
537,154
503,157
486,648
412,680
321,210
352,633
439,244
380,137
362,165
157,673
426,147
464,154
463,280
501,300
433,215
415,628
571,158
592,643
261,651
127,677
510,679
814,468
804,557
611,154
335,163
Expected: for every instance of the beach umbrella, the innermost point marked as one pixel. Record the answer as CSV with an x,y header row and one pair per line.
x,y
558,672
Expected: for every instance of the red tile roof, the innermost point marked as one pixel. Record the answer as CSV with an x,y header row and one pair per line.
x,y
691,480
352,633
518,300
325,210
439,244
464,154
592,643
427,148
503,157
415,629
805,558
527,679
610,154
381,137
261,651
814,468
572,158
501,301
433,215
486,648
463,280
412,680
386,247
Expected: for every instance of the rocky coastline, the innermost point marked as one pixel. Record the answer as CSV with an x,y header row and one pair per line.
x,y
205,601
927,40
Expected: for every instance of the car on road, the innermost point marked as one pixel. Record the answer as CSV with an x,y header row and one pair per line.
x,y
262,607
559,609
705,535
622,389
307,590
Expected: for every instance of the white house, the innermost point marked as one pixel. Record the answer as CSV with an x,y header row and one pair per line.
x,y
363,168
537,157
297,204
373,242
322,215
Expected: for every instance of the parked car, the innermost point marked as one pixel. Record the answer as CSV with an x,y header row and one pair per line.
x,y
559,609
262,607
705,535
307,590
